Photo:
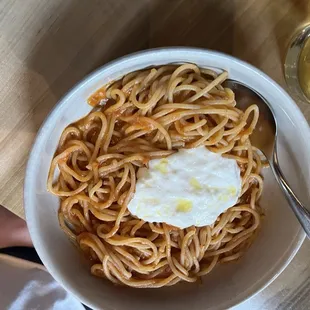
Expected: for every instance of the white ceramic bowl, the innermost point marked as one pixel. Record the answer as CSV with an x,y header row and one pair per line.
x,y
229,284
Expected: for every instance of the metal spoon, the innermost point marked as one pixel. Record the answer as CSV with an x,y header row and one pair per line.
x,y
265,138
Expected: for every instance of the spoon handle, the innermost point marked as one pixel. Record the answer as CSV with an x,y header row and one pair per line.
x,y
301,212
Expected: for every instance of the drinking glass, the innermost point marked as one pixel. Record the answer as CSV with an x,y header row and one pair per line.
x,y
297,64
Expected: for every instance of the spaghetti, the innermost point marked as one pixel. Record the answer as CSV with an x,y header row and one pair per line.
x,y
145,115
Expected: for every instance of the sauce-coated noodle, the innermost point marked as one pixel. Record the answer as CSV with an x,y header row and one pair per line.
x,y
151,114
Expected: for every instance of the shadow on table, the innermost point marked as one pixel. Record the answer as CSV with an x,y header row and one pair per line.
x,y
297,15
79,36
76,38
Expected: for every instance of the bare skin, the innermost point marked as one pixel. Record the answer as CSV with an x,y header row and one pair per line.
x,y
13,230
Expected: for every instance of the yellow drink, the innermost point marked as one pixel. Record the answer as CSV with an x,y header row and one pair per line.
x,y
304,68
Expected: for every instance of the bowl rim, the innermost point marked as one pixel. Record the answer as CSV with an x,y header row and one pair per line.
x,y
287,256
